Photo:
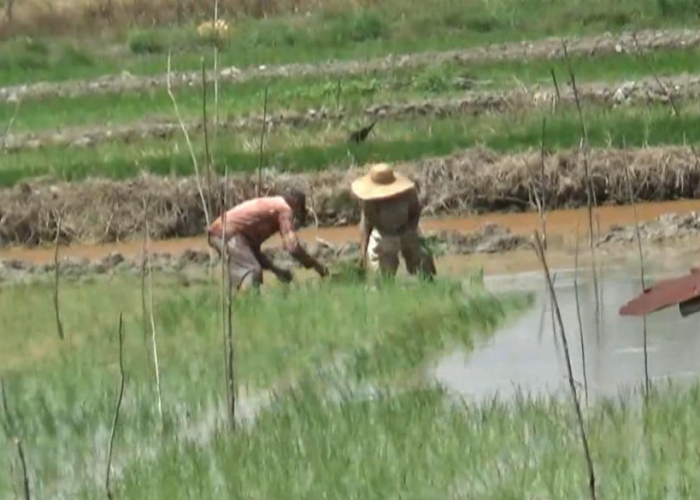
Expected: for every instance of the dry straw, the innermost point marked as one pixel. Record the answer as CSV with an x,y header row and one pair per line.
x,y
476,179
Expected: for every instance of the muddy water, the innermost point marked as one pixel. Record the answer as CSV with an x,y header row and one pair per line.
x,y
561,229
526,355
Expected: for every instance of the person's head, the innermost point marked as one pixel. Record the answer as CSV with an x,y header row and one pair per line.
x,y
296,198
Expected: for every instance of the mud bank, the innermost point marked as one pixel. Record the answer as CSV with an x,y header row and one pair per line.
x,y
193,265
471,182
609,94
665,227
550,48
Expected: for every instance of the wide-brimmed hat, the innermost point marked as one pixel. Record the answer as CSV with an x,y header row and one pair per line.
x,y
381,182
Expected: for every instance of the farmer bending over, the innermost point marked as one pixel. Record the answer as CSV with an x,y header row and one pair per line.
x,y
252,222
389,224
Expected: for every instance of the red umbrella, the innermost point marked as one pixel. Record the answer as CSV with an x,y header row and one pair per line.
x,y
684,291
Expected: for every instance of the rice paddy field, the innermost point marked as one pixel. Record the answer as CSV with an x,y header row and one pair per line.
x,y
472,99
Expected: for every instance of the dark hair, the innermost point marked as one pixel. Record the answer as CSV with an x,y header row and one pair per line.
x,y
295,196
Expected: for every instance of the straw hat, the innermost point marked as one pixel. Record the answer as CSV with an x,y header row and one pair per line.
x,y
381,182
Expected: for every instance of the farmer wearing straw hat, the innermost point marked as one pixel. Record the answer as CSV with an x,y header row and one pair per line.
x,y
248,225
389,224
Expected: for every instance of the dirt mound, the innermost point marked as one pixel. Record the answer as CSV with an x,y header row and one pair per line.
x,y
664,228
194,264
474,181
550,48
643,91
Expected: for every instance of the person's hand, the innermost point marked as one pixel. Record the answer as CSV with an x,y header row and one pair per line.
x,y
284,275
322,270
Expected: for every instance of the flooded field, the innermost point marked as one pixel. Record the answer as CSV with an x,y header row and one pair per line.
x,y
527,355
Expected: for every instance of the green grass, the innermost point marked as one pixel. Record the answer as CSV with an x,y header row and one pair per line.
x,y
320,148
289,336
357,92
63,394
416,445
394,27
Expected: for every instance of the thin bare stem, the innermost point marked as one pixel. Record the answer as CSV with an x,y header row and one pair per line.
x,y
205,128
154,344
556,89
258,188
551,310
8,127
578,317
224,283
543,176
589,185
144,257
216,76
231,375
674,109
11,432
56,308
647,380
226,319
672,103
23,463
338,92
115,420
572,382
189,143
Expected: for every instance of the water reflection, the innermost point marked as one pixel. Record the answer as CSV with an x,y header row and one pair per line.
x,y
527,355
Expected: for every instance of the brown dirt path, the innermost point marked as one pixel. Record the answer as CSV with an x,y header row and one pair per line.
x,y
644,91
549,48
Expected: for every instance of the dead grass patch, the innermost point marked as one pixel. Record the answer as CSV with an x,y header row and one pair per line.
x,y
73,17
474,181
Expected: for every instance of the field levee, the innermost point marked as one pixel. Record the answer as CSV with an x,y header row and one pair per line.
x,y
472,181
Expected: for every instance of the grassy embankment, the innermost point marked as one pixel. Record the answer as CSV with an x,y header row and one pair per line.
x,y
63,394
338,29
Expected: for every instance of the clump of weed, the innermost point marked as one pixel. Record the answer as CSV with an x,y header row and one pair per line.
x,y
148,42
678,8
24,54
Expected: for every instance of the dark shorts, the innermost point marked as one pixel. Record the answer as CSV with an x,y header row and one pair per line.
x,y
242,259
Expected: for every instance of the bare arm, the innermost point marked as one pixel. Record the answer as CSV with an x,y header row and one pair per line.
x,y
292,245
414,211
283,275
365,232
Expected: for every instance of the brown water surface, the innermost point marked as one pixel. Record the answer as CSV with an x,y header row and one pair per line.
x,y
561,229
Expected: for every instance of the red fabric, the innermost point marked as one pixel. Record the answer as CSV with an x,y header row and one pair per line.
x,y
664,294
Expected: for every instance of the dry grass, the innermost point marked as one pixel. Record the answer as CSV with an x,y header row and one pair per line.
x,y
75,17
476,180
